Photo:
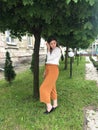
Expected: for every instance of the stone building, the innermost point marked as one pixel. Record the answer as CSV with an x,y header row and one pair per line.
x,y
20,51
93,48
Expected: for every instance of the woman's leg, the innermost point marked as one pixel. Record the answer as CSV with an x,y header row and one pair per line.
x,y
55,103
49,107
54,97
47,86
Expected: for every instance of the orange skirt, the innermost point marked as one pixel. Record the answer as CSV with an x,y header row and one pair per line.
x,y
48,87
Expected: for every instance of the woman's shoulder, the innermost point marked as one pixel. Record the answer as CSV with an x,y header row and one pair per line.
x,y
58,48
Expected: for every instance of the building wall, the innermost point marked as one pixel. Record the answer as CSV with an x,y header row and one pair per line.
x,y
20,51
93,49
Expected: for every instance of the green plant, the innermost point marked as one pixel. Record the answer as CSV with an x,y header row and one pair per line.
x,y
9,72
32,63
95,63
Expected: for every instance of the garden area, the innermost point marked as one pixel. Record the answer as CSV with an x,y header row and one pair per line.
x,y
20,111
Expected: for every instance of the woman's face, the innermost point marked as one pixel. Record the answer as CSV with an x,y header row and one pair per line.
x,y
53,44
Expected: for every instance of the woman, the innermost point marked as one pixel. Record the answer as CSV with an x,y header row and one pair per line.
x,y
48,87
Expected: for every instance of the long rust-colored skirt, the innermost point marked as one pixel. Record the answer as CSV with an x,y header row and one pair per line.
x,y
48,87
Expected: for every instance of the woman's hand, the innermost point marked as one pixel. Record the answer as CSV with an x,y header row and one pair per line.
x,y
48,46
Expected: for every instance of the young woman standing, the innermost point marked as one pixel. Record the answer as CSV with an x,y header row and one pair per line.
x,y
48,87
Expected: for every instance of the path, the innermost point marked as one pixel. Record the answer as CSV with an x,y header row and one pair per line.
x,y
91,72
23,67
17,70
91,113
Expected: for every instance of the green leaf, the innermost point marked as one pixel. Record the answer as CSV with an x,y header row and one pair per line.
x,y
27,2
88,25
68,1
75,1
91,2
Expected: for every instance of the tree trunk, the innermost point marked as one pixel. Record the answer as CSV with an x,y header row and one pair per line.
x,y
37,36
66,58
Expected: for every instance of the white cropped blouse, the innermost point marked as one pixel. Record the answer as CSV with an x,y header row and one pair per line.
x,y
54,57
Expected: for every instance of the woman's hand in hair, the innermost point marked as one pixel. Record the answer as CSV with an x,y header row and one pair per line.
x,y
48,46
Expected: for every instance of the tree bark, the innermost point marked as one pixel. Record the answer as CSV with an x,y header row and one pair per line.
x,y
37,35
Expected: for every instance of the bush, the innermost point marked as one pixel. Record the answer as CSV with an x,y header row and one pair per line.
x,y
32,63
9,72
95,63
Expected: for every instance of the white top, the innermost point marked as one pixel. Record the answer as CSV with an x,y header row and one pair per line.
x,y
54,56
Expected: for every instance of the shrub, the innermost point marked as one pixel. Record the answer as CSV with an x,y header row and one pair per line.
x,y
32,63
9,72
95,63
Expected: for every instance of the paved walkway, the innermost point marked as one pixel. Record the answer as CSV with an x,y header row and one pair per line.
x,y
91,113
17,70
91,72
23,67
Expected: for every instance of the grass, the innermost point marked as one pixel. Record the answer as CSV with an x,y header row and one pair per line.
x,y
19,111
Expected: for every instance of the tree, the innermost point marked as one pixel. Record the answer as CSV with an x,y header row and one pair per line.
x,y
78,25
9,72
28,17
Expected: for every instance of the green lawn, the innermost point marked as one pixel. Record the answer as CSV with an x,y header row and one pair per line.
x,y
19,111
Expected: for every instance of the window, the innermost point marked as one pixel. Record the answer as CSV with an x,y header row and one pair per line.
x,y
29,39
9,39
